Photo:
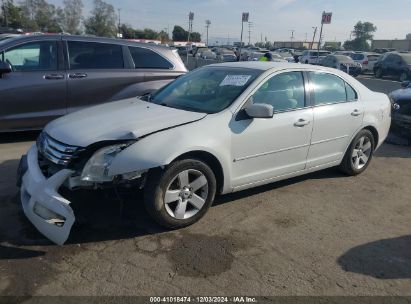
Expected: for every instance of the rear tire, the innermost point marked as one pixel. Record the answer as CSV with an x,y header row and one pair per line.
x,y
181,194
359,154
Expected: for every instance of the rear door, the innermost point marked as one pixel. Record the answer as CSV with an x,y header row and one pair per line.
x,y
337,116
35,91
97,72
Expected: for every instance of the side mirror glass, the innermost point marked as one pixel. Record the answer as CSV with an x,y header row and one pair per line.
x,y
260,110
4,68
405,84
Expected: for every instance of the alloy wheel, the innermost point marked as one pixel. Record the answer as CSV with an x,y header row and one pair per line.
x,y
186,194
361,153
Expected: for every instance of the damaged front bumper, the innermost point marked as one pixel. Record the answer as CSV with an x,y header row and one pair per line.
x,y
49,212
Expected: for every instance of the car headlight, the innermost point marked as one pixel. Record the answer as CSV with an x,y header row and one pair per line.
x,y
97,167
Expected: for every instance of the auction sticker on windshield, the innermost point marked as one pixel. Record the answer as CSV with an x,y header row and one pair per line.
x,y
235,80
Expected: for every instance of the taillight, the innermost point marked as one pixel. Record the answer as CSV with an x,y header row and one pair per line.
x,y
365,62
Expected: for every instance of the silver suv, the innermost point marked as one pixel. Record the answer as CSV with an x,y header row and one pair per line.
x,y
46,76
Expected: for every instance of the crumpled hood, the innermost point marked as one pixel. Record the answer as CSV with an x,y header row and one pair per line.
x,y
125,119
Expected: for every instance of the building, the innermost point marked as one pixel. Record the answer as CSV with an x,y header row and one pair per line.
x,y
398,44
295,45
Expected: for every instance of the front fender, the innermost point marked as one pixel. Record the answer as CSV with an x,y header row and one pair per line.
x,y
160,149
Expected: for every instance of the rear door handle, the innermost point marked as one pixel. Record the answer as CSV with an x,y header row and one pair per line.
x,y
301,123
78,75
356,112
54,76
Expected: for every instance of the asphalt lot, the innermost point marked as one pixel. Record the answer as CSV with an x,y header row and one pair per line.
x,y
321,234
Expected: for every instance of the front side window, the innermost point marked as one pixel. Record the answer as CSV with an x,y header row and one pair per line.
x,y
329,88
35,56
206,90
93,55
284,92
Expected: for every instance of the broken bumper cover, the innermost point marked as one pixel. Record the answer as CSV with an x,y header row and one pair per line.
x,y
49,212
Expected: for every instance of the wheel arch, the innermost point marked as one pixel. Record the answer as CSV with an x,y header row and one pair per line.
x,y
374,133
211,161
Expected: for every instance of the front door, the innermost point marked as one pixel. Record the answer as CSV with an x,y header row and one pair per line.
x,y
263,149
35,91
337,117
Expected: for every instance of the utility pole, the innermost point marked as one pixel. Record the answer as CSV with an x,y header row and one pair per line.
x,y
208,22
315,33
5,13
250,25
306,37
190,29
244,18
119,23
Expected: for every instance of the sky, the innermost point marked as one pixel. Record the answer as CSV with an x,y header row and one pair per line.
x,y
274,19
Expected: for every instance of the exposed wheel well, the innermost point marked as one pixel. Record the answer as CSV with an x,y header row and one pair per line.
x,y
211,161
374,133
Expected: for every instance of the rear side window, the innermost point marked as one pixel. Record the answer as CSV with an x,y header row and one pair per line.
x,y
36,56
147,59
328,88
93,55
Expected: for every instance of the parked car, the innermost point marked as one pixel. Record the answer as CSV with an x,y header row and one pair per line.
x,y
343,63
313,57
198,49
401,109
208,54
345,53
220,128
366,59
383,50
228,57
394,64
46,76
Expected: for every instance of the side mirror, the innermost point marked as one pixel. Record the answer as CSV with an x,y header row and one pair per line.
x,y
405,84
260,110
4,68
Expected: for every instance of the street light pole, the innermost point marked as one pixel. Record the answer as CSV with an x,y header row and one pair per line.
x,y
208,22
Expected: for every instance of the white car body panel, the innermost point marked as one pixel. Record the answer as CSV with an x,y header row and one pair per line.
x,y
250,152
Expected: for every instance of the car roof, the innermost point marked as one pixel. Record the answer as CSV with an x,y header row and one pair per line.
x,y
270,65
36,37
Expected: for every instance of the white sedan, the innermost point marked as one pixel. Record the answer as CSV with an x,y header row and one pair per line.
x,y
219,129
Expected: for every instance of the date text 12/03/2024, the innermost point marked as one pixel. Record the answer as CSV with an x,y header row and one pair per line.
x,y
203,299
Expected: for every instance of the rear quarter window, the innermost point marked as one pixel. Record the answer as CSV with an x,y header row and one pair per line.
x,y
147,59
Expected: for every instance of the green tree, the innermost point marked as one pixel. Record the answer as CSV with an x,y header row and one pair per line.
x,y
11,15
195,37
179,34
102,21
70,16
363,33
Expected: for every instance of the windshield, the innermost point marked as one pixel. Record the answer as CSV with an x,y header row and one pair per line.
x,y
206,90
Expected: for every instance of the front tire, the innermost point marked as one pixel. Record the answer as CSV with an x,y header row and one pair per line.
x,y
181,194
359,154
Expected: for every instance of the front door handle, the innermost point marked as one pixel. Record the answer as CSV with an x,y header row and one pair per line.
x,y
77,75
54,76
356,112
301,123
